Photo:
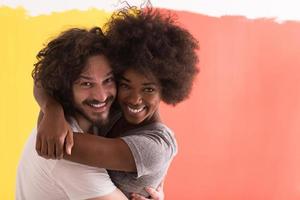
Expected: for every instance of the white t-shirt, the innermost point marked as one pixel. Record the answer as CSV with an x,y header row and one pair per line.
x,y
42,179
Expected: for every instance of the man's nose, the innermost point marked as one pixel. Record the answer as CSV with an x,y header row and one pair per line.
x,y
99,93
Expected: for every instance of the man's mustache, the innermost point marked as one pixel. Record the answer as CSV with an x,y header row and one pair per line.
x,y
95,101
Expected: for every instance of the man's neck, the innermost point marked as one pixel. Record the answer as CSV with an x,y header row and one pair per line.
x,y
83,123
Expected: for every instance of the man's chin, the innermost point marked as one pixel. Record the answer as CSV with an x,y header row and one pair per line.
x,y
98,119
94,118
100,122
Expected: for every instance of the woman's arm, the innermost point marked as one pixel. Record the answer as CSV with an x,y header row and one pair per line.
x,y
97,151
53,130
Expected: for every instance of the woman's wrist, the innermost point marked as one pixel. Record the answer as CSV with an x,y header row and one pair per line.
x,y
52,107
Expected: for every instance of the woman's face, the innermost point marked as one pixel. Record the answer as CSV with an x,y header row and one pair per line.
x,y
138,96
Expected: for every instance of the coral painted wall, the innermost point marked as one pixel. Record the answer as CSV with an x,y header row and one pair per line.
x,y
238,133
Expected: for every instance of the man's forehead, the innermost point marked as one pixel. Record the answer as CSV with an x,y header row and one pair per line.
x,y
96,67
90,75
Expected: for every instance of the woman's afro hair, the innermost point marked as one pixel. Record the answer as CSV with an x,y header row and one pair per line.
x,y
152,43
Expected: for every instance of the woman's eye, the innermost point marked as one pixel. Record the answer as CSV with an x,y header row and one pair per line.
x,y
149,90
123,86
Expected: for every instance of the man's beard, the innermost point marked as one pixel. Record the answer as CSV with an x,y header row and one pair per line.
x,y
97,120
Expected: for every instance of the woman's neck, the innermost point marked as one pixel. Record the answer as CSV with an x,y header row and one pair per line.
x,y
122,125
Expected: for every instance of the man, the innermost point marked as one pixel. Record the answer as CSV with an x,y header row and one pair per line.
x,y
74,70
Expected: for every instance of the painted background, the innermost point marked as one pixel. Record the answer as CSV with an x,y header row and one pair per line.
x,y
238,133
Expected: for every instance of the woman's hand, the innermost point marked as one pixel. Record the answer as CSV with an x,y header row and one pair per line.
x,y
157,194
54,135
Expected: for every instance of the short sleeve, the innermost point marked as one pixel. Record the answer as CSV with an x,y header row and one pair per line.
x,y
151,149
82,181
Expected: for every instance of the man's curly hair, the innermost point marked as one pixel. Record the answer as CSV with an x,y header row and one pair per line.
x,y
62,60
152,43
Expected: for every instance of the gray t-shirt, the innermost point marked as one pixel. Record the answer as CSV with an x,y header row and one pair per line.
x,y
153,148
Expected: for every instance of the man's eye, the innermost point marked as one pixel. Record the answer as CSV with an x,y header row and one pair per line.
x,y
109,80
86,84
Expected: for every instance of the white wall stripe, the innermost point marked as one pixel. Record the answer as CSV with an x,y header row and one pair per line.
x,y
277,9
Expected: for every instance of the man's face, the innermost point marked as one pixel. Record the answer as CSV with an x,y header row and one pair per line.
x,y
94,91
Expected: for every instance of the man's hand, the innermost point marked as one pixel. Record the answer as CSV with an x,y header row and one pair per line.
x,y
157,194
53,134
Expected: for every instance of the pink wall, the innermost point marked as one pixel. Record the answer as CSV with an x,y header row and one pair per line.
x,y
239,133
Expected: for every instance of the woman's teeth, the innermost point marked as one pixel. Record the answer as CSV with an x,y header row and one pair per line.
x,y
135,110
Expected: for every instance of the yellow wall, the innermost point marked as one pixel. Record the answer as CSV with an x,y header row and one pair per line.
x,y
21,37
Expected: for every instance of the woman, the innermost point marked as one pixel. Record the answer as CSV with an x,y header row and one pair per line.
x,y
154,60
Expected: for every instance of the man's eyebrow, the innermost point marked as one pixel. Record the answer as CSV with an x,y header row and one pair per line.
x,y
109,74
85,77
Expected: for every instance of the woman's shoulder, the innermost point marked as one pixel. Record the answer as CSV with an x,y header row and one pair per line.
x,y
157,132
153,128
